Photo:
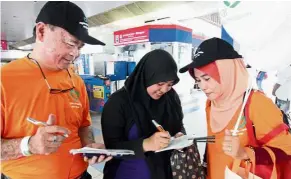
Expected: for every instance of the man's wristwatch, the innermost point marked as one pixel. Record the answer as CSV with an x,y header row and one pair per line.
x,y
24,146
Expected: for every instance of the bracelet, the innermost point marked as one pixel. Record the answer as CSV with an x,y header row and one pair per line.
x,y
249,160
24,146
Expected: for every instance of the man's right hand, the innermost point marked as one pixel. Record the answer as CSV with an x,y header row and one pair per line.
x,y
157,141
47,139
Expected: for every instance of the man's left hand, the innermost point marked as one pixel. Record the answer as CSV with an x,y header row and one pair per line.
x,y
96,159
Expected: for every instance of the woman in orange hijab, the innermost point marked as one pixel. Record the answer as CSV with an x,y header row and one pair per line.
x,y
221,74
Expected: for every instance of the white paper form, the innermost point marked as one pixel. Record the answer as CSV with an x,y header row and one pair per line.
x,y
178,143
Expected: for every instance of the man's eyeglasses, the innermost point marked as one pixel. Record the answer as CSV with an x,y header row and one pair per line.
x,y
53,90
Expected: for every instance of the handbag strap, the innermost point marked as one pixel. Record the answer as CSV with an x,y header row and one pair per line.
x,y
251,132
276,131
269,136
273,157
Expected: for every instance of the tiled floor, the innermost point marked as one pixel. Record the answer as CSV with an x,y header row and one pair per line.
x,y
96,170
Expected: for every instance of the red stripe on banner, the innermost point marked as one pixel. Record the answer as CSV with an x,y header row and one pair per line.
x,y
147,27
134,29
132,35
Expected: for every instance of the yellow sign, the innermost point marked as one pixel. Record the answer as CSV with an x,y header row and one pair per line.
x,y
98,92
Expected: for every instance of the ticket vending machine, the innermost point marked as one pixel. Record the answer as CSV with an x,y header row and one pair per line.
x,y
102,75
98,90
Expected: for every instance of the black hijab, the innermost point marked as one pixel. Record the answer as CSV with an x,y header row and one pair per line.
x,y
155,67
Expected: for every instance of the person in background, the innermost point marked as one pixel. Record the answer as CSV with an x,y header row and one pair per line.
x,y
42,87
127,117
222,76
260,77
282,89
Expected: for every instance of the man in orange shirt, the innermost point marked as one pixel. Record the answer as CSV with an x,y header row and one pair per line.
x,y
42,87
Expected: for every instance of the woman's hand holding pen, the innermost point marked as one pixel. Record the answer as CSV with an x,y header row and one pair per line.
x,y
48,138
157,141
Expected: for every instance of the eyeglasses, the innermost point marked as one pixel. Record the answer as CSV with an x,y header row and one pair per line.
x,y
53,90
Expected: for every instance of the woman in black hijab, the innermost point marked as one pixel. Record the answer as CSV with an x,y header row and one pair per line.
x,y
127,119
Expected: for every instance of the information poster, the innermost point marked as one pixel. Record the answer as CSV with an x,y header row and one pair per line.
x,y
98,92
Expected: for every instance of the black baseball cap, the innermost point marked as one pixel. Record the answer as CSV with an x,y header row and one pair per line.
x,y
68,16
209,51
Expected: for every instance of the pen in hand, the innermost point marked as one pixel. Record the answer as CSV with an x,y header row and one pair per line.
x,y
40,123
158,126
158,140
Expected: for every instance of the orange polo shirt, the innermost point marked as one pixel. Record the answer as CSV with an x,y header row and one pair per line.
x,y
24,93
265,116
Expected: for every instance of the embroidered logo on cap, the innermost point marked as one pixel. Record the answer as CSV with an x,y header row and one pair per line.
x,y
85,23
198,53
